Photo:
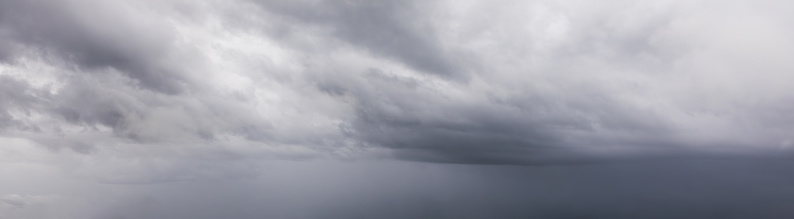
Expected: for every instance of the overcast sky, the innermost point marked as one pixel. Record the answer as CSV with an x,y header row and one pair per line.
x,y
114,109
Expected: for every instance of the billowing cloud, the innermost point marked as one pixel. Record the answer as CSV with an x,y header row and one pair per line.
x,y
141,92
464,82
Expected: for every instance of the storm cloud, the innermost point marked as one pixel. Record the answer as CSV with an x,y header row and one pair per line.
x,y
215,92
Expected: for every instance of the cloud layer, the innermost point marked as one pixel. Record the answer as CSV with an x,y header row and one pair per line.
x,y
464,82
277,109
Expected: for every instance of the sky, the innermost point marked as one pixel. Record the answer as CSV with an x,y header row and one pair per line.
x,y
114,109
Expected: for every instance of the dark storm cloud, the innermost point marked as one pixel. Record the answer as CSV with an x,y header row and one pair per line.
x,y
419,122
402,114
244,109
92,35
566,83
144,80
394,29
598,76
114,69
102,36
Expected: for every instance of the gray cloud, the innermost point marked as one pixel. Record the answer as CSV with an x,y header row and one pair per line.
x,y
14,94
423,124
392,29
95,35
14,200
567,83
657,103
